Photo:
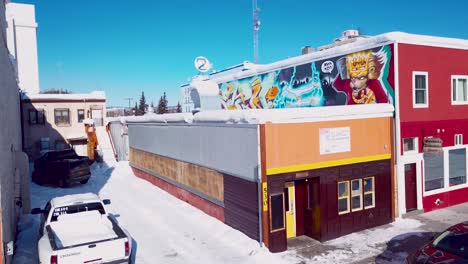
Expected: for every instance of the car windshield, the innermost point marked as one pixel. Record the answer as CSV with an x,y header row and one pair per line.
x,y
76,208
456,244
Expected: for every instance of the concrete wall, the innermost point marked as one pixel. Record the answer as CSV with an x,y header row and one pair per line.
x,y
12,163
229,149
34,132
22,44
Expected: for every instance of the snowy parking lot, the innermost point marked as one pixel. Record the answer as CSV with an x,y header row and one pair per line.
x,y
168,230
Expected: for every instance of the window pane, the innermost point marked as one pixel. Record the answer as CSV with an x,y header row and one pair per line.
x,y
40,117
420,81
420,96
408,144
368,200
356,202
433,171
356,187
343,189
32,117
343,205
368,185
44,143
454,90
457,166
80,115
463,94
277,213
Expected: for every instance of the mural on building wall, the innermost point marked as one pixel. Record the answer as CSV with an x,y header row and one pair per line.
x,y
356,78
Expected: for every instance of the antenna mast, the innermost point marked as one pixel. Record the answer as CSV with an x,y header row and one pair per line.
x,y
256,27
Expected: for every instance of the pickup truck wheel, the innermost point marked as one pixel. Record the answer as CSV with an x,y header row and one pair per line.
x,y
84,181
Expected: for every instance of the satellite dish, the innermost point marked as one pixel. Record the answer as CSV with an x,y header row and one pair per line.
x,y
202,64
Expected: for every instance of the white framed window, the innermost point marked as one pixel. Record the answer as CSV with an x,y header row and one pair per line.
x,y
343,197
433,171
420,89
410,145
458,139
457,166
369,192
356,195
459,89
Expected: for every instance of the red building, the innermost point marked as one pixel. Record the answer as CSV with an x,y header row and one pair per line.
x,y
432,121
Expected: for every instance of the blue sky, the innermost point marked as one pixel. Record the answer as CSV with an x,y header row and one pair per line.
x,y
126,47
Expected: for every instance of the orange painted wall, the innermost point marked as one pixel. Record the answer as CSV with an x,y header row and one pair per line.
x,y
299,144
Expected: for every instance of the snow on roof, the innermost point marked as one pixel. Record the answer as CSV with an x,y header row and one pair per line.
x,y
155,118
294,115
74,198
95,95
261,116
359,44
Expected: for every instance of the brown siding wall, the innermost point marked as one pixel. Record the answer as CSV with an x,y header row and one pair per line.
x,y
334,225
241,205
206,206
206,181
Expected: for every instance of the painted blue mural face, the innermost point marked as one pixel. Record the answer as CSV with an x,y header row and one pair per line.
x,y
356,78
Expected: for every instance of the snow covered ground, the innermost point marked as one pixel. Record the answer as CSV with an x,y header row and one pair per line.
x,y
167,230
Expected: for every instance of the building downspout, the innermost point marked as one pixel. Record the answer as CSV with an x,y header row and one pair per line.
x,y
259,188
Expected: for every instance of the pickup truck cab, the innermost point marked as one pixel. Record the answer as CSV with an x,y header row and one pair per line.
x,y
61,167
78,229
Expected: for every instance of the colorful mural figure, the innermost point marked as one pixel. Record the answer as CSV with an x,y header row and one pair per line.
x,y
361,83
356,78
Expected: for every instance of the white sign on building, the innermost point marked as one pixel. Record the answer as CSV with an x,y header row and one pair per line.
x,y
335,140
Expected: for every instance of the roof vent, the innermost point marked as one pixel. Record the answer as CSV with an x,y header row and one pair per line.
x,y
307,50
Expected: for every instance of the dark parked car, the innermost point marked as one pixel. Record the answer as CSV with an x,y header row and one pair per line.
x,y
451,246
61,167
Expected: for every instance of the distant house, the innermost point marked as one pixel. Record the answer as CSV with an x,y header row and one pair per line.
x,y
55,121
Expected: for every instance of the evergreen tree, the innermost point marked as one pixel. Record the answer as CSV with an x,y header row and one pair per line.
x,y
179,108
143,106
165,103
160,109
135,109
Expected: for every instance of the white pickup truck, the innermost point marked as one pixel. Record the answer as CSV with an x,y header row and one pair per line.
x,y
77,229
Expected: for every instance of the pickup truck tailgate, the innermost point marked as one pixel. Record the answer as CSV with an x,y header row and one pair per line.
x,y
99,252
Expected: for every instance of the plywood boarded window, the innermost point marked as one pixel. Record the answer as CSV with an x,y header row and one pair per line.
x,y
369,193
343,197
356,195
277,212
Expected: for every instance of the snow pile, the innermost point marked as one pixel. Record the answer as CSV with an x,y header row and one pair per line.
x,y
94,95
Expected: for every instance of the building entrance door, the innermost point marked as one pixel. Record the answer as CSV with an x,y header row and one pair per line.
x,y
97,117
290,209
410,187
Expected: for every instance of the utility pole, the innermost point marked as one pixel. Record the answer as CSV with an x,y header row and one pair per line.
x,y
129,102
256,27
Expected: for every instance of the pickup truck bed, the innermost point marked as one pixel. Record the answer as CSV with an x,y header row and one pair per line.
x,y
97,238
93,227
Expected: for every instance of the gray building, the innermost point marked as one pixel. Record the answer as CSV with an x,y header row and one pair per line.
x,y
14,187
